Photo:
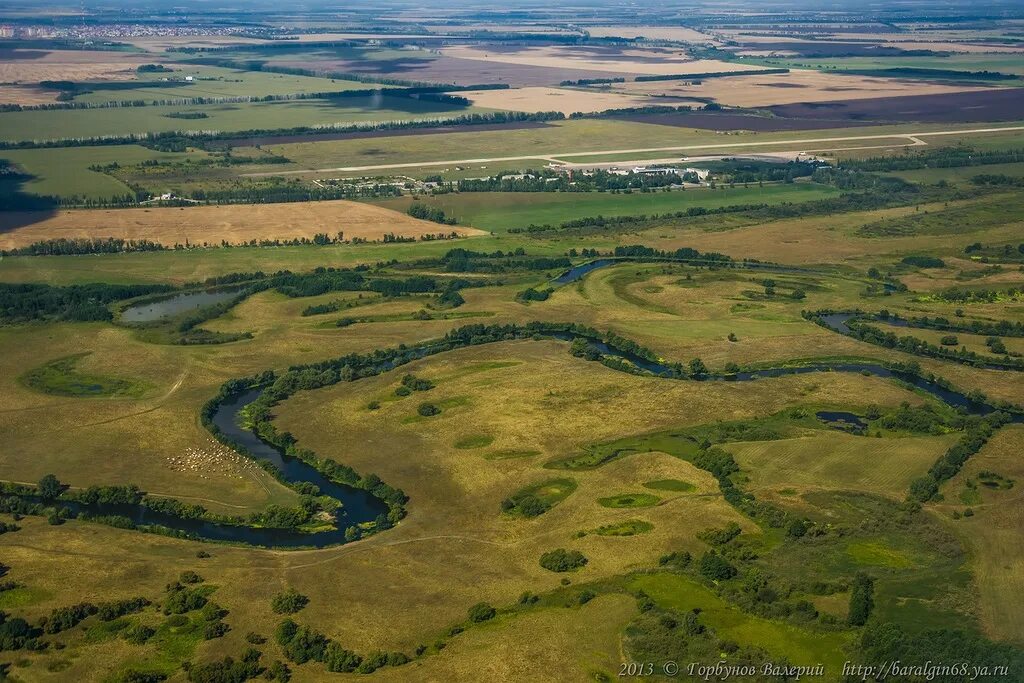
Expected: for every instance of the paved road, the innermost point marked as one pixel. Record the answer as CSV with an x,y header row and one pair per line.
x,y
913,138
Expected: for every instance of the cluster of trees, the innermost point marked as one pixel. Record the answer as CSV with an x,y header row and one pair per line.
x,y
411,383
531,294
525,503
128,494
921,347
17,634
288,602
937,157
429,213
861,599
924,261
302,644
747,171
890,642
997,180
285,192
639,251
914,419
972,296
22,302
547,180
977,432
460,260
230,670
593,81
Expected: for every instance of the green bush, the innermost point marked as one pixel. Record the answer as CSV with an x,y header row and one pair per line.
x,y
428,410
562,560
288,602
481,612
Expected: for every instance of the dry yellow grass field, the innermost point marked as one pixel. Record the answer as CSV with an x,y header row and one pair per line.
x,y
815,241
994,534
640,61
835,460
565,100
211,224
795,86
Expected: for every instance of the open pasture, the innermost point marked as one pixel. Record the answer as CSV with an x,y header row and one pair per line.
x,y
212,81
66,172
234,116
993,533
500,211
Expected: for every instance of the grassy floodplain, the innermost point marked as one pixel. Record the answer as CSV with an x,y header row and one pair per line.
x,y
554,512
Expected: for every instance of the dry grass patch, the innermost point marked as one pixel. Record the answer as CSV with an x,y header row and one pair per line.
x,y
840,461
212,224
551,644
26,95
632,60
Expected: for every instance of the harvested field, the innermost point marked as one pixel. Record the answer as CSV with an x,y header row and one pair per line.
x,y
33,66
1002,104
655,61
26,95
798,86
561,99
211,224
461,71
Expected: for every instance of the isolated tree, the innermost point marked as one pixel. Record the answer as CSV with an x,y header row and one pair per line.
x,y
49,487
481,612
